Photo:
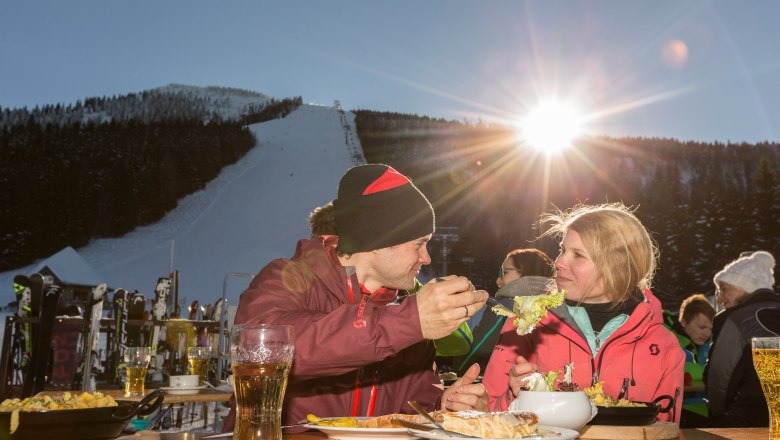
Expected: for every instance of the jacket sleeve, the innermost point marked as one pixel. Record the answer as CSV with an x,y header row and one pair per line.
x,y
672,382
496,377
330,339
721,365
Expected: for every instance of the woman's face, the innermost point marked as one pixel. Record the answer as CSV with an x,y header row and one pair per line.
x,y
508,273
577,273
729,295
699,329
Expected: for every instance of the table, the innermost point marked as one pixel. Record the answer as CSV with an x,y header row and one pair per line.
x,y
685,434
205,395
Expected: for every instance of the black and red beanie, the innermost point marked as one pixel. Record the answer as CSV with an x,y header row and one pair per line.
x,y
378,207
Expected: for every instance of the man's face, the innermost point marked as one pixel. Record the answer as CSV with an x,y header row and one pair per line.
x,y
699,329
396,267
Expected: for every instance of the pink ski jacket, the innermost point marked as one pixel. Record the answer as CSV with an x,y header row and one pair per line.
x,y
641,356
354,355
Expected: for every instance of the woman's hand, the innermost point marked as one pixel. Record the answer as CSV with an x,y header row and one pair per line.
x,y
517,374
464,394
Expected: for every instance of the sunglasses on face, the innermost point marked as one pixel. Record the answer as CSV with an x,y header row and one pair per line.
x,y
503,270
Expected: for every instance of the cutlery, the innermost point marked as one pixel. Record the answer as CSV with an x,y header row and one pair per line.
x,y
420,410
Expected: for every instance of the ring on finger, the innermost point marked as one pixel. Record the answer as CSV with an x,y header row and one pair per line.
x,y
466,308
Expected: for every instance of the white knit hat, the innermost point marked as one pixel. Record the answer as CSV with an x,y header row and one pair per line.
x,y
750,272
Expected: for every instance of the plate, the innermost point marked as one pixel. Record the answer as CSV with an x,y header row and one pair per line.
x,y
556,433
342,433
183,391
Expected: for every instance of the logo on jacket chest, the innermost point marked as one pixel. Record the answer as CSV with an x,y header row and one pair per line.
x,y
654,350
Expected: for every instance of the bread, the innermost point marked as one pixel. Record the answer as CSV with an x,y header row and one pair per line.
x,y
386,421
491,425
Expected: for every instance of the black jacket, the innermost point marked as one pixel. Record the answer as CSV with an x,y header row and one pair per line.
x,y
733,388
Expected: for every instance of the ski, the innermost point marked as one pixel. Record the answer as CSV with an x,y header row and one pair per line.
x,y
159,309
120,303
36,300
40,356
91,342
135,313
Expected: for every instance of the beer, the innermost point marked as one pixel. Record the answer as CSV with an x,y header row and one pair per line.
x,y
259,392
135,381
199,367
136,360
767,364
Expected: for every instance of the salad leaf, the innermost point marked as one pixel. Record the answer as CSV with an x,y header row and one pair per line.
x,y
529,310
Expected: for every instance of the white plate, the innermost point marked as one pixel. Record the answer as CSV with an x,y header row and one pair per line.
x,y
342,433
563,434
182,391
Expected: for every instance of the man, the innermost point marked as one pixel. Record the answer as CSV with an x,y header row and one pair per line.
x,y
355,354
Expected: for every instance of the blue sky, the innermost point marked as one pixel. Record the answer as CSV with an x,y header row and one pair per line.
x,y
692,70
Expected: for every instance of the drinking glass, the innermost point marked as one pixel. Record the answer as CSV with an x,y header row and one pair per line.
x,y
261,356
136,361
766,360
198,358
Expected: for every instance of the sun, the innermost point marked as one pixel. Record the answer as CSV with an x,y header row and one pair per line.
x,y
552,126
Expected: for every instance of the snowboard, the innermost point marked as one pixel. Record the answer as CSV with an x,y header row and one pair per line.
x,y
65,342
23,335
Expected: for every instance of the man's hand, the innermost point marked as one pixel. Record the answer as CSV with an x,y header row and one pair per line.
x,y
518,373
445,303
464,394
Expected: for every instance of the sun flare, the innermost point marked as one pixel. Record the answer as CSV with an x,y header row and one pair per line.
x,y
552,126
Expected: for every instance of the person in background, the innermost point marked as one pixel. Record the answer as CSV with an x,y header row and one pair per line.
x,y
355,355
523,272
693,328
322,222
744,287
610,326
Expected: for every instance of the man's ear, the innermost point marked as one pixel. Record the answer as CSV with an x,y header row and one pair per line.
x,y
682,321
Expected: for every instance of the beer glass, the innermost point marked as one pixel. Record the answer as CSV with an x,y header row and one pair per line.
x,y
136,361
261,356
766,360
198,358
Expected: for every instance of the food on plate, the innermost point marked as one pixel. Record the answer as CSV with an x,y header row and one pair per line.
x,y
529,310
344,422
386,421
596,394
47,403
508,424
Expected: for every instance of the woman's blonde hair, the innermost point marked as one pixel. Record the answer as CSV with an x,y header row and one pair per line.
x,y
619,245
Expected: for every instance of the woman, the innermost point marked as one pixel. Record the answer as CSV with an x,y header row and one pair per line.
x,y
523,272
744,287
610,328
693,328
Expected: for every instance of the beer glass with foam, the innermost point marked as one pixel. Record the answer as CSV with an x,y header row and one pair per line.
x,y
136,361
766,360
198,358
261,356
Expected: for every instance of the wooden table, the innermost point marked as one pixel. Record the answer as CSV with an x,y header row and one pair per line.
x,y
205,395
685,434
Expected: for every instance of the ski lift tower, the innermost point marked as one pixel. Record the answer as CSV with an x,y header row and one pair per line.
x,y
445,234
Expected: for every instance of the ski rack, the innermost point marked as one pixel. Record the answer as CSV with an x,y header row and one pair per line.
x,y
11,376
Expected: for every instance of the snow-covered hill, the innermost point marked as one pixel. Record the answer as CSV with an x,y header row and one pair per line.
x,y
254,211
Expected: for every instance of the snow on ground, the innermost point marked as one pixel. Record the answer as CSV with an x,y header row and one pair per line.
x,y
253,212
